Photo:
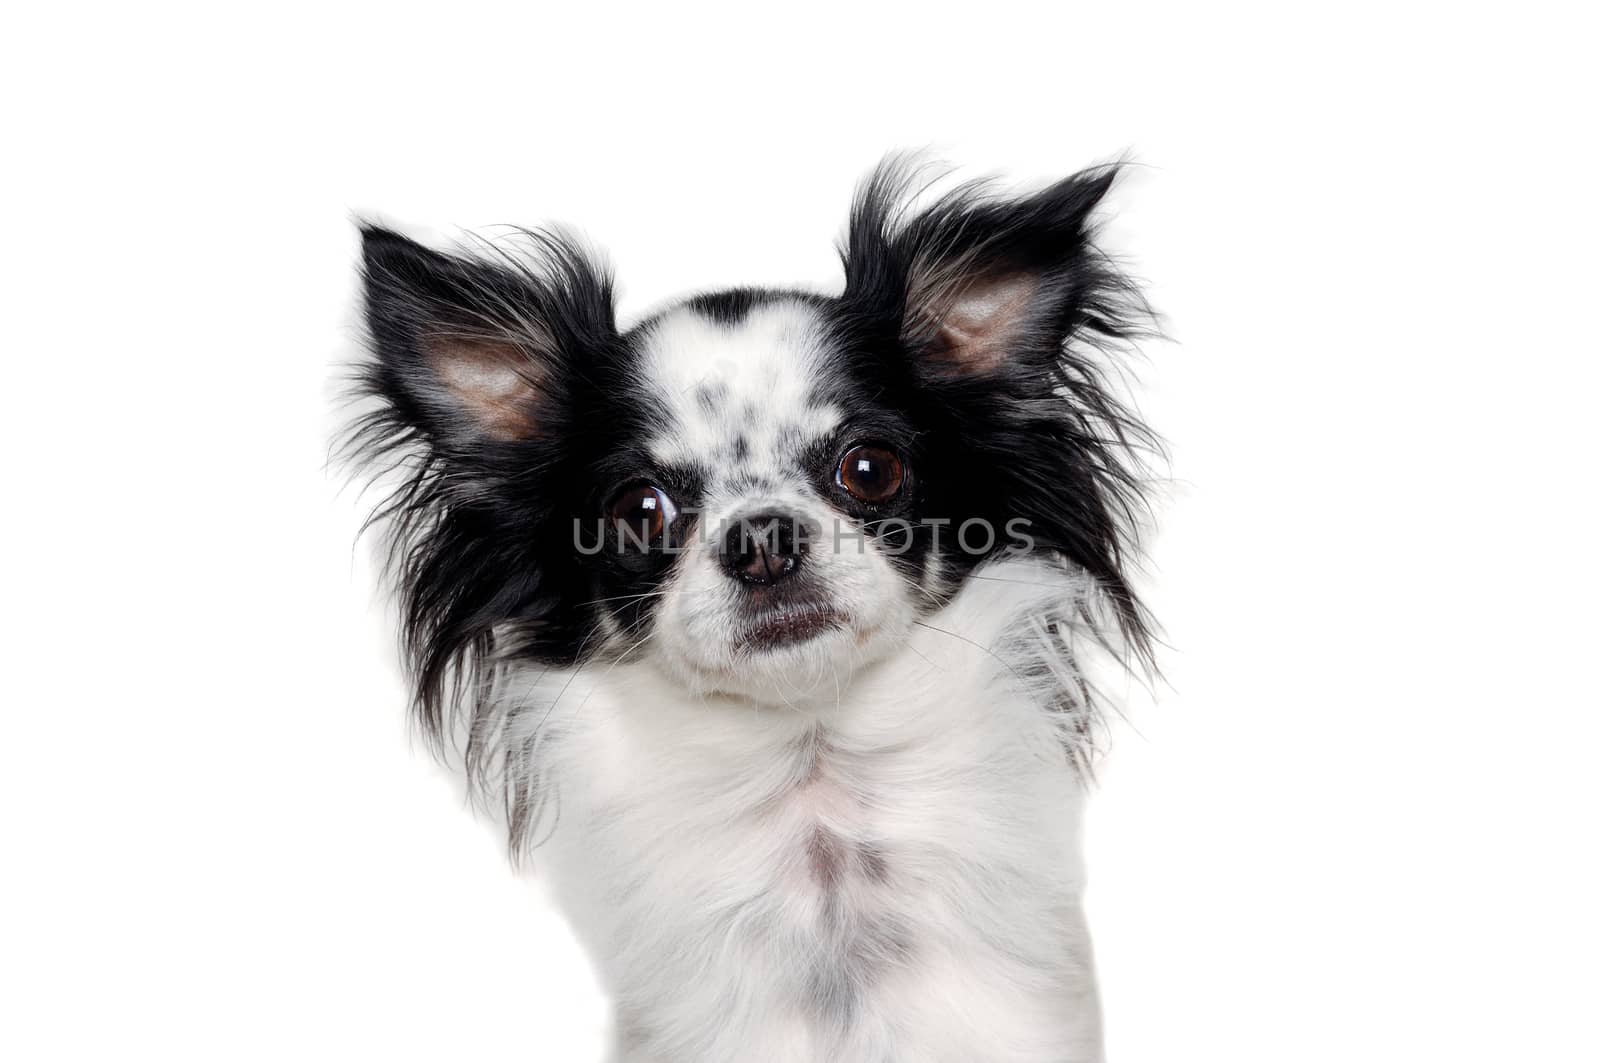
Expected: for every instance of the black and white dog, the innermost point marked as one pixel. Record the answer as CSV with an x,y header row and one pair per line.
x,y
766,617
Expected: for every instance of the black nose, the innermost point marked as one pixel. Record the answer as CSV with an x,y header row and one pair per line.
x,y
763,549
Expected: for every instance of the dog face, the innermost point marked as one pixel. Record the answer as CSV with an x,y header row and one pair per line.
x,y
757,491
774,489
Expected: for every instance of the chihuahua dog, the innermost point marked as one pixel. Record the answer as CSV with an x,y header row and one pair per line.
x,y
766,619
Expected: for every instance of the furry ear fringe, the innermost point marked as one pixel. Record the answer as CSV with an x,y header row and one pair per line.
x,y
438,536
909,251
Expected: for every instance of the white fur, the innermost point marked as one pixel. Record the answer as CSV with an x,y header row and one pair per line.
x,y
763,374
764,369
681,839
863,848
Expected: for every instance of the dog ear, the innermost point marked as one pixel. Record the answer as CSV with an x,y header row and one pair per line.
x,y
976,284
470,351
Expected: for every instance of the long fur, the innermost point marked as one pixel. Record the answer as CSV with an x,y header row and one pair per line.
x,y
786,854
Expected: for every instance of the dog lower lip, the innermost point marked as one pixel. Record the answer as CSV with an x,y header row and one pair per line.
x,y
787,628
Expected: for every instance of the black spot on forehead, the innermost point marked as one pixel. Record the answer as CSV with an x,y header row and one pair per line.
x,y
710,397
734,451
731,306
790,438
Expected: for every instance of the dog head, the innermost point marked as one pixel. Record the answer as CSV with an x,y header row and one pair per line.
x,y
757,491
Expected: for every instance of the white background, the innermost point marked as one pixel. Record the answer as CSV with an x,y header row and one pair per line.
x,y
1358,824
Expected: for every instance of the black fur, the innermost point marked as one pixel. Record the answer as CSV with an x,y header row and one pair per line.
x,y
1044,438
482,528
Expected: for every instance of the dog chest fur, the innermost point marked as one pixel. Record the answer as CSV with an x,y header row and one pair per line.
x,y
890,876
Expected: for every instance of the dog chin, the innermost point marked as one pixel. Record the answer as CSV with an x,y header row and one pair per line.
x,y
785,660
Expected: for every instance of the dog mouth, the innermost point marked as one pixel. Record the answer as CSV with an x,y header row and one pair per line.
x,y
789,628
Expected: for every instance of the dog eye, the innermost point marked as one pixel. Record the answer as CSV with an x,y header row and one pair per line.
x,y
643,512
871,474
